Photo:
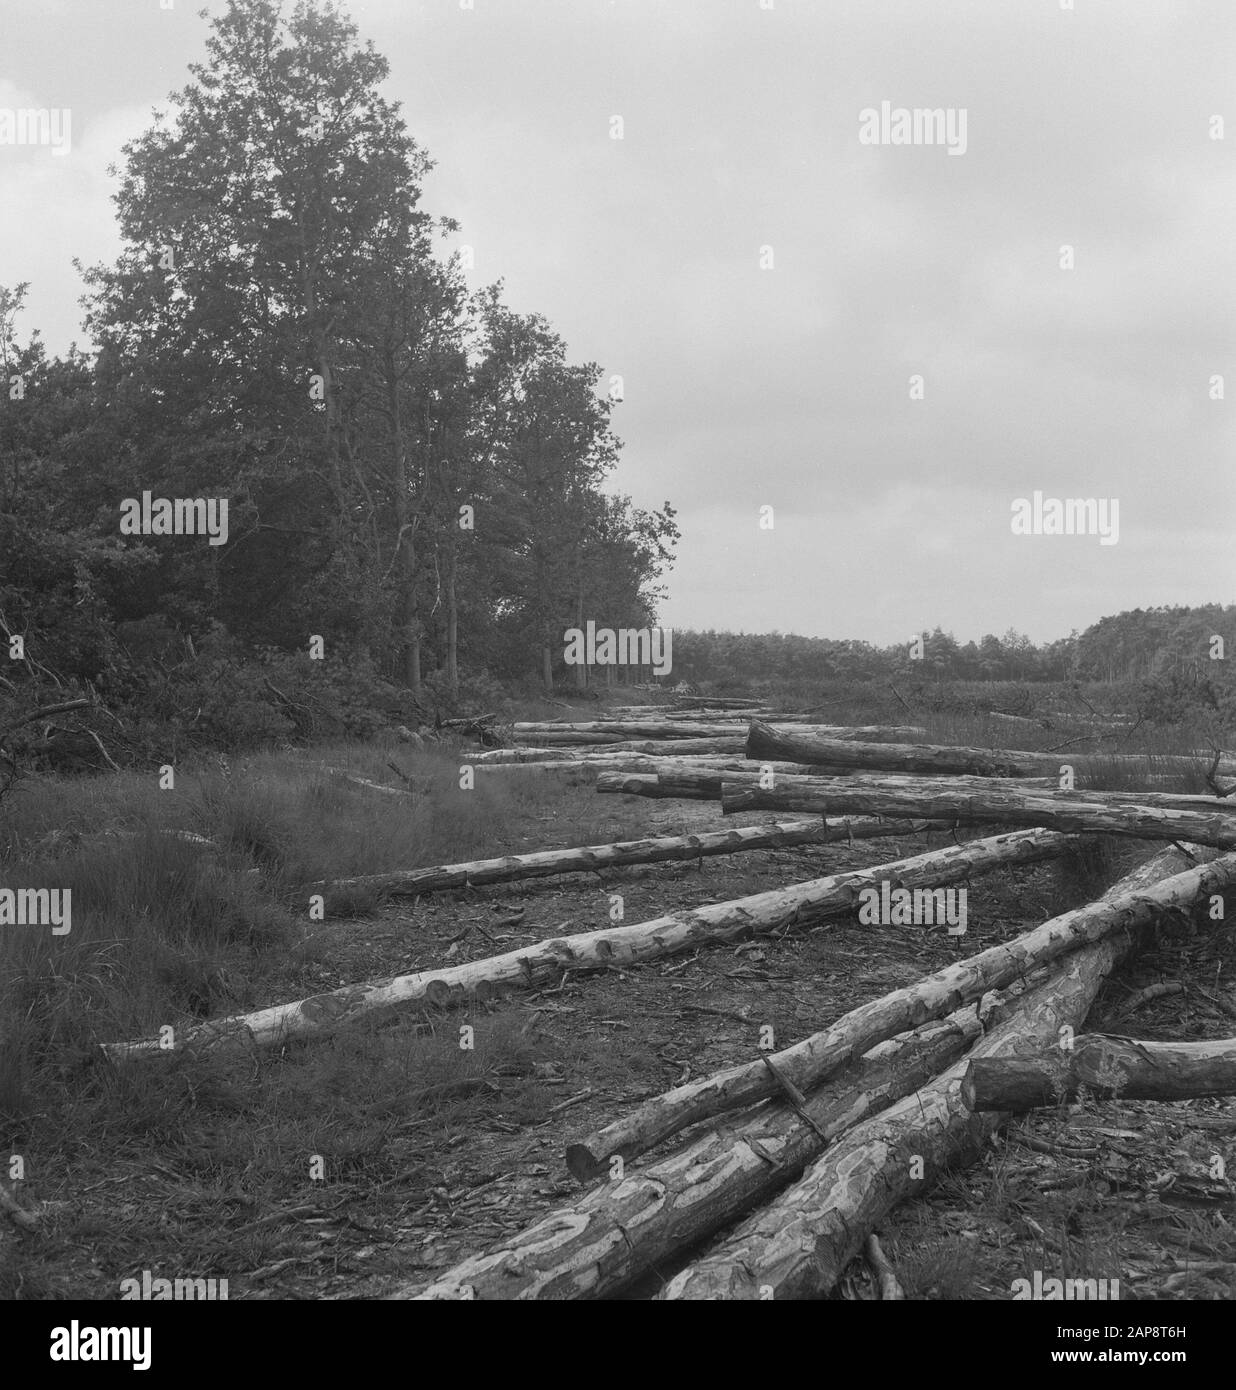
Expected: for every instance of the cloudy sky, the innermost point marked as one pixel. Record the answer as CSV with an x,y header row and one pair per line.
x,y
769,286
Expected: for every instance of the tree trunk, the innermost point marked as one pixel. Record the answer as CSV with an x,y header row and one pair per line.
x,y
707,784
547,668
452,622
594,858
1106,1066
405,554
765,742
809,1062
658,747
529,967
798,1245
522,755
678,729
1000,805
604,1241
581,671
642,770
569,740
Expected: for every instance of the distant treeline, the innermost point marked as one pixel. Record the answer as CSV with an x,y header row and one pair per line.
x,y
1144,644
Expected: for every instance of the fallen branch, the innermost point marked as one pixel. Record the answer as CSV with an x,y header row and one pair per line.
x,y
1145,996
16,1213
890,1289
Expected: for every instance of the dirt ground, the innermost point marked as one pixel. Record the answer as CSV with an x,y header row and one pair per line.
x,y
451,1150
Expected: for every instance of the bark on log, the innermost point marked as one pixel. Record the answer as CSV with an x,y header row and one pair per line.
x,y
593,858
681,747
763,741
1106,1065
652,765
559,738
798,1245
1215,826
809,1062
662,729
707,784
517,755
602,1242
1018,789
530,967
686,784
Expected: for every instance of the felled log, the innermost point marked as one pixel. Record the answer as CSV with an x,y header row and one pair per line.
x,y
632,728
517,755
817,1057
593,858
530,967
1106,1066
798,1245
763,741
1018,788
634,764
735,745
707,784
667,728
1215,826
602,1242
566,738
686,784
661,748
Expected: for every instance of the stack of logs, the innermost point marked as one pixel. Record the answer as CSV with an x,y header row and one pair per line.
x,y
792,1158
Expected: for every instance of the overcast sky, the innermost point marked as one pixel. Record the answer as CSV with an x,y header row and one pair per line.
x,y
790,387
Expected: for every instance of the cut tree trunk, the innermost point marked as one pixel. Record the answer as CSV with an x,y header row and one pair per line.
x,y
660,748
667,728
602,1242
798,1245
809,1062
763,741
530,967
686,784
517,755
555,738
981,790
1106,1066
1215,826
594,858
648,764
707,784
